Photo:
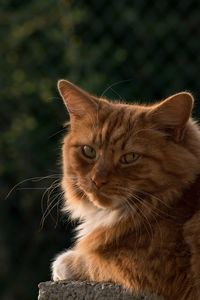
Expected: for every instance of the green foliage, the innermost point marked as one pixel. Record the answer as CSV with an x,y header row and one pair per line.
x,y
147,51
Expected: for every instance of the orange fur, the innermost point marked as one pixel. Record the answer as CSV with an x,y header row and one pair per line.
x,y
139,221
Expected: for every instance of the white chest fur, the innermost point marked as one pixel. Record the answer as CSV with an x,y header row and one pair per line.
x,y
98,218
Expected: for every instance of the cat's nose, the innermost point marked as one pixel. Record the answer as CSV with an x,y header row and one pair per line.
x,y
99,181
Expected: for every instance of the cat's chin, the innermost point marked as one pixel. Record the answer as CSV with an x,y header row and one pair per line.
x,y
100,201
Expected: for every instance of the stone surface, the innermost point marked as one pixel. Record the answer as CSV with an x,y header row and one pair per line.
x,y
71,290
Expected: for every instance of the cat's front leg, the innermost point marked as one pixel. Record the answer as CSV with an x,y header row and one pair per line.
x,y
68,265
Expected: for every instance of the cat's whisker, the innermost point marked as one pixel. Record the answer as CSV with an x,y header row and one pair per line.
x,y
156,198
146,220
55,201
54,134
154,209
151,196
154,216
142,212
58,212
60,197
31,188
136,208
116,93
78,190
114,84
52,188
33,179
46,192
131,211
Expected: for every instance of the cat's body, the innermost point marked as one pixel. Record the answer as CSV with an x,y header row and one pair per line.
x,y
132,177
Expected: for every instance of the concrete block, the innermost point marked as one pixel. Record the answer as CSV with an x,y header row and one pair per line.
x,y
71,290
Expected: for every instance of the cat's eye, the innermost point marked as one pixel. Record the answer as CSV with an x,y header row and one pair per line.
x,y
129,158
88,152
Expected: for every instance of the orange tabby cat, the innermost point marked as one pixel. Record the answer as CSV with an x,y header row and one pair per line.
x,y
131,176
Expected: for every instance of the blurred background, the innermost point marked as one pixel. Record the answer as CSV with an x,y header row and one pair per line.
x,y
136,50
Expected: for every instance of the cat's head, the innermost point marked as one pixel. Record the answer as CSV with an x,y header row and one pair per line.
x,y
115,153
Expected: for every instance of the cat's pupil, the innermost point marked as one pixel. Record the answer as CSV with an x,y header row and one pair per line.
x,y
88,152
129,158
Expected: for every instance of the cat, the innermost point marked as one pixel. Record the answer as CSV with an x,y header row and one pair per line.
x,y
131,176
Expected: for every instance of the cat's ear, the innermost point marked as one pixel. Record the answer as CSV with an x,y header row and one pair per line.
x,y
172,114
78,102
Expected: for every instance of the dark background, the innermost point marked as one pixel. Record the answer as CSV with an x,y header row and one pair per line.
x,y
145,50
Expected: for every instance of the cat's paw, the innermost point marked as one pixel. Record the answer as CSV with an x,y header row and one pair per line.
x,y
61,269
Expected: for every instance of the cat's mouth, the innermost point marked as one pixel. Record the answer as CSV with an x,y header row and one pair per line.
x,y
100,199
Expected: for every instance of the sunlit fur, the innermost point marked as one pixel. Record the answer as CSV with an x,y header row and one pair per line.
x,y
140,227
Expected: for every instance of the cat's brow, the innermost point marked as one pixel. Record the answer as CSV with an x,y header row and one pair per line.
x,y
128,129
115,123
131,130
105,128
115,127
118,138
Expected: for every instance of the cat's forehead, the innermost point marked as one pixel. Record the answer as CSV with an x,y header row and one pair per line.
x,y
114,126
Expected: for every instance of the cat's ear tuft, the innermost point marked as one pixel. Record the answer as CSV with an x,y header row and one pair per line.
x,y
173,113
77,101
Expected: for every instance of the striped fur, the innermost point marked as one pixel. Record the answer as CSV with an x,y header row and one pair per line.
x,y
138,227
